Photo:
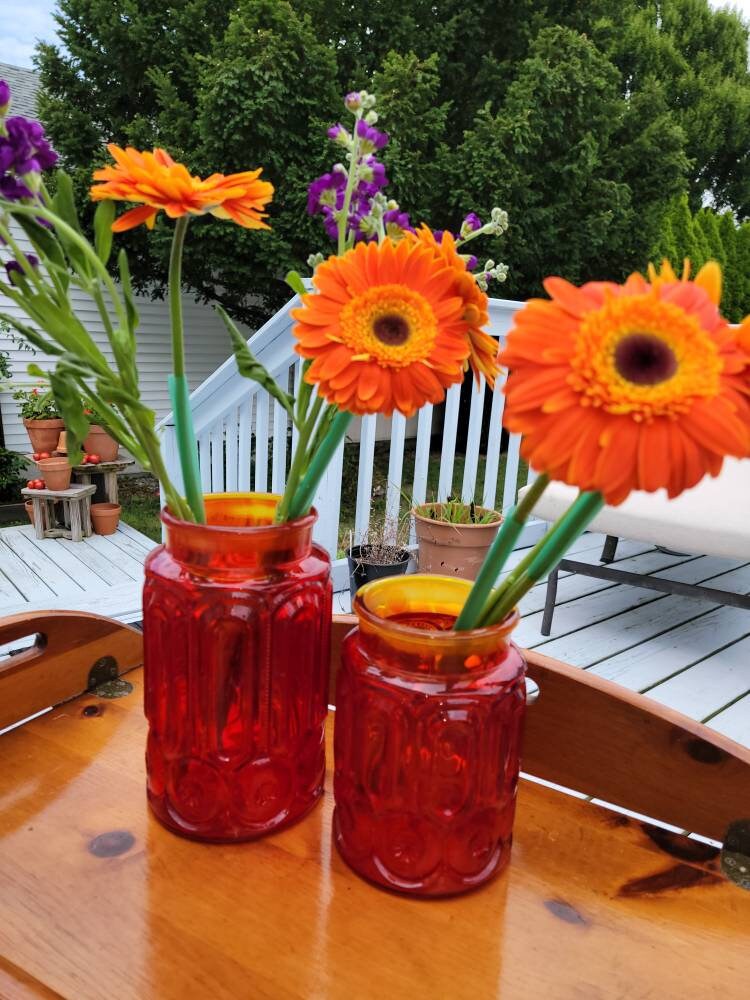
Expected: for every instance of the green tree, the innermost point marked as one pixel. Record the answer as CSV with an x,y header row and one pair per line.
x,y
584,121
732,295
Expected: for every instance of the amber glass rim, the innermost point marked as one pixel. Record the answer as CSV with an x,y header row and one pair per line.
x,y
259,530
412,634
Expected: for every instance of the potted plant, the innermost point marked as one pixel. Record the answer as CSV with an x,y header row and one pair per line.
x,y
382,552
105,517
41,417
454,537
99,441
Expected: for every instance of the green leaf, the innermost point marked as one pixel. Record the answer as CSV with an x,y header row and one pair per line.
x,y
249,366
45,244
68,399
127,290
103,219
295,282
32,336
37,372
63,204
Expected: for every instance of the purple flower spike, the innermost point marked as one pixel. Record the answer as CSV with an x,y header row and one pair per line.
x,y
326,192
371,139
338,133
396,219
15,266
472,222
4,97
13,189
471,263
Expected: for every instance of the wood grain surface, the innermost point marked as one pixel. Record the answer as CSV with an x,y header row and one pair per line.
x,y
98,901
57,666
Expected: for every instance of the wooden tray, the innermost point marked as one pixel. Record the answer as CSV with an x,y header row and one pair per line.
x,y
99,901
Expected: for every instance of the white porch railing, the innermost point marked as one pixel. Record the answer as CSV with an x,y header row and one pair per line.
x,y
243,442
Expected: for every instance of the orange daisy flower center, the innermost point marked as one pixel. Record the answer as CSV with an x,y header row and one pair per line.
x,y
643,356
390,324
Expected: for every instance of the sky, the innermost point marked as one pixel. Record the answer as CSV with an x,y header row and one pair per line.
x,y
22,22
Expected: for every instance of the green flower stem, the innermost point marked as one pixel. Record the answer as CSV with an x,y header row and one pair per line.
x,y
498,553
545,555
320,461
179,391
299,461
175,295
349,191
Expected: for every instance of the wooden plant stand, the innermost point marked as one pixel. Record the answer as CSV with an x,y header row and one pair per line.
x,y
76,501
110,471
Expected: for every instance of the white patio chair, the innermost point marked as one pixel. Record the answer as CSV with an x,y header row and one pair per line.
x,y
712,519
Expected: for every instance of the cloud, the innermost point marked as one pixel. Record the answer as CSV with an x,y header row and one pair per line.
x,y
22,24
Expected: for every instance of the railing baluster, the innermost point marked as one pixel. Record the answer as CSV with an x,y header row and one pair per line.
x,y
494,443
395,472
261,443
445,482
511,471
422,455
297,381
364,478
244,444
328,504
278,471
473,440
204,459
217,458
232,432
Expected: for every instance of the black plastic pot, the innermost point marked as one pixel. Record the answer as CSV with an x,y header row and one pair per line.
x,y
361,572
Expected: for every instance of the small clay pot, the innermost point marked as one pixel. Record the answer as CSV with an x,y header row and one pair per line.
x,y
29,508
105,517
98,442
43,434
453,549
56,473
62,444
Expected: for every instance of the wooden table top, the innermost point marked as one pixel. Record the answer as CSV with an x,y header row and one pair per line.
x,y
98,901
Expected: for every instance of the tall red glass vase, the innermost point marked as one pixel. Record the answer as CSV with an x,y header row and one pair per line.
x,y
427,739
236,617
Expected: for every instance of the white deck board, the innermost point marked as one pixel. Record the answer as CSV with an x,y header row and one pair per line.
x,y
103,574
690,654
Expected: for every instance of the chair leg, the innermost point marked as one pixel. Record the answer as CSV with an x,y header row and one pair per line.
x,y
549,601
610,549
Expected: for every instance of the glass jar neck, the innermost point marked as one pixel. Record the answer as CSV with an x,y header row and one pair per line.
x,y
384,609
239,538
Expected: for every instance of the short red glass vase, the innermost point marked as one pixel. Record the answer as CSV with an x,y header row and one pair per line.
x,y
236,623
427,739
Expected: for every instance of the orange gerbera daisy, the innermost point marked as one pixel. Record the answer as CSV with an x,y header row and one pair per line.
x,y
623,387
384,329
159,183
482,347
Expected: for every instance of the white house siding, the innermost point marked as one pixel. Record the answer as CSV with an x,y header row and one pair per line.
x,y
207,346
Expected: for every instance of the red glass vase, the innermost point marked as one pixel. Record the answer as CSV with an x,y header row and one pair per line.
x,y
236,624
427,739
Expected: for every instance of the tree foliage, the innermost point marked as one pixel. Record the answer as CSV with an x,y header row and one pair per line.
x,y
587,122
708,235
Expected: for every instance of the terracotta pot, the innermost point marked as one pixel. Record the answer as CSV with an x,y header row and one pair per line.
x,y
29,507
62,444
98,442
43,434
453,549
105,517
55,472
